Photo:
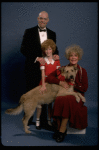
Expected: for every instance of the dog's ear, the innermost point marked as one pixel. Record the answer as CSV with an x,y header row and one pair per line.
x,y
62,69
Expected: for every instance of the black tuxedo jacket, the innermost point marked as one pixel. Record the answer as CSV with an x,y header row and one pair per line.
x,y
31,47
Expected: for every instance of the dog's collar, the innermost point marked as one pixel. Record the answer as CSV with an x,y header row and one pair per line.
x,y
70,83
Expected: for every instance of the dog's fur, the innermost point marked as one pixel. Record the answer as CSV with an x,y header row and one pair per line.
x,y
29,101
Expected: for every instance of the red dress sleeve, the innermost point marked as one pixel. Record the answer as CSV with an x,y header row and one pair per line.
x,y
42,67
52,78
55,77
58,72
59,76
58,64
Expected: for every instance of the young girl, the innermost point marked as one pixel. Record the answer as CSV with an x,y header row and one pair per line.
x,y
48,48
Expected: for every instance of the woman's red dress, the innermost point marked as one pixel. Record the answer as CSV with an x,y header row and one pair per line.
x,y
67,106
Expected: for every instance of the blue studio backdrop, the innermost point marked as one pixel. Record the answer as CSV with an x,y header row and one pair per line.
x,y
74,23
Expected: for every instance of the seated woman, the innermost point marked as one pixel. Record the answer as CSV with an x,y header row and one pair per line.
x,y
66,108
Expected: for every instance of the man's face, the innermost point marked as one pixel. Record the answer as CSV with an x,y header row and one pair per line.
x,y
43,19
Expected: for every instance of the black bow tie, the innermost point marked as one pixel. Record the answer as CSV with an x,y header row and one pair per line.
x,y
42,30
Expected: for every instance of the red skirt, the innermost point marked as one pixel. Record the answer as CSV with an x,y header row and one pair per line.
x,y
67,107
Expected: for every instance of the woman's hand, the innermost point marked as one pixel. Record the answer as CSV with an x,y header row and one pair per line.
x,y
43,89
64,84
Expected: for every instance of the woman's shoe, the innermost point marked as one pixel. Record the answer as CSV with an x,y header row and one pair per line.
x,y
61,136
55,134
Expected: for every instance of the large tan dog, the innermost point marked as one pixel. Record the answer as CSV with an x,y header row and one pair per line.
x,y
29,101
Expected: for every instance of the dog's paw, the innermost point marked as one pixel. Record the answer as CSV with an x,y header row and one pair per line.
x,y
27,131
83,99
28,127
77,99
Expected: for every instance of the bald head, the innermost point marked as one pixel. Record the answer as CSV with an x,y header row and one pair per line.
x,y
43,19
43,12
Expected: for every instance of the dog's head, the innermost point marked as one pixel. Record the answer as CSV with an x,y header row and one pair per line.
x,y
69,72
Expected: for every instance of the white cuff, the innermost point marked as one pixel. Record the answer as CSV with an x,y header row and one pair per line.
x,y
42,67
58,67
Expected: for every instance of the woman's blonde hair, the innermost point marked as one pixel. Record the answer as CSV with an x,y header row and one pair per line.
x,y
74,48
46,44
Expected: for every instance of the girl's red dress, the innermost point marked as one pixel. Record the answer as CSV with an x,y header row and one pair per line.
x,y
67,106
49,67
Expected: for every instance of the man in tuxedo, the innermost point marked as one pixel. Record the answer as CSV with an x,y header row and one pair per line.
x,y
31,49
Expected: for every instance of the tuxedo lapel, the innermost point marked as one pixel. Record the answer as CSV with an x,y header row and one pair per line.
x,y
37,38
48,34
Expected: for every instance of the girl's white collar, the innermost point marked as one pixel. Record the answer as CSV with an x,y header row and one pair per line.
x,y
47,61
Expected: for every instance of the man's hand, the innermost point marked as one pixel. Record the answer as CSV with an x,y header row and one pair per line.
x,y
41,60
56,57
64,84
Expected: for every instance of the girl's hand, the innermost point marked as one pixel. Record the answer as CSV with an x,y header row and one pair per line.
x,y
43,89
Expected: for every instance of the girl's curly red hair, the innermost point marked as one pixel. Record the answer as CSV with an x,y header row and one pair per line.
x,y
46,44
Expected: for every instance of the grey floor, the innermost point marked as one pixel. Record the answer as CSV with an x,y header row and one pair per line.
x,y
12,133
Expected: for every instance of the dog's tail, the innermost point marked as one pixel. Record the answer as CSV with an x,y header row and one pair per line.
x,y
17,110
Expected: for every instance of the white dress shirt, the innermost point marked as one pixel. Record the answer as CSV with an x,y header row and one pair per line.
x,y
43,36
